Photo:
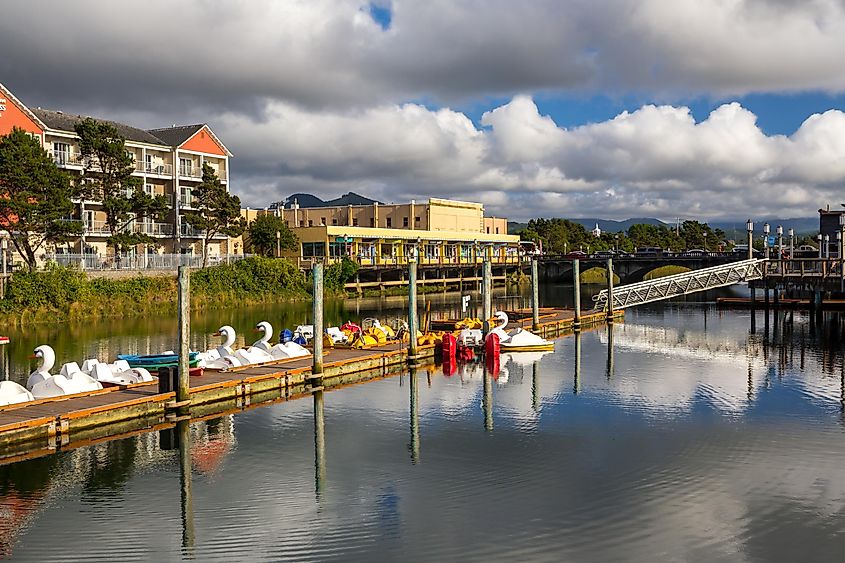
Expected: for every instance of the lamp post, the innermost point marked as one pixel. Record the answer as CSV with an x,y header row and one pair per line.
x,y
749,226
616,243
766,239
827,246
791,243
780,241
705,241
819,239
278,244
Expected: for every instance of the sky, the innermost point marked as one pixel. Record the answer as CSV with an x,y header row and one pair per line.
x,y
719,109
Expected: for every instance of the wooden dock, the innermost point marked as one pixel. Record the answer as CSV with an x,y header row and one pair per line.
x,y
46,425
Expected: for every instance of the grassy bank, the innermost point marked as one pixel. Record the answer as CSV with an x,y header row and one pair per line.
x,y
664,271
597,276
60,294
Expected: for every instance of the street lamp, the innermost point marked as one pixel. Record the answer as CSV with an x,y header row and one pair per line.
x,y
819,238
791,243
780,241
827,246
705,241
749,226
616,243
766,239
278,244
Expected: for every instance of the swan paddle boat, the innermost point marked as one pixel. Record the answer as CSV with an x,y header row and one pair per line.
x,y
281,351
519,339
12,393
41,384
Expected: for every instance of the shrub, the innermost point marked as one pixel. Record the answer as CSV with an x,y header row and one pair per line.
x,y
663,271
597,276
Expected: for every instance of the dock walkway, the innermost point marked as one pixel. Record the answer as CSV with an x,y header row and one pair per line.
x,y
55,422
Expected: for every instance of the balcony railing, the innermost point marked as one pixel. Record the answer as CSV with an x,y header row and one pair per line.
x,y
66,158
190,172
159,169
100,228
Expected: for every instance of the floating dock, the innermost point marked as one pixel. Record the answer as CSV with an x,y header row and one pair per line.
x,y
43,426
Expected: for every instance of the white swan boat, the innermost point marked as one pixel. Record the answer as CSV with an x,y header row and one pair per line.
x,y
281,351
41,384
12,393
519,339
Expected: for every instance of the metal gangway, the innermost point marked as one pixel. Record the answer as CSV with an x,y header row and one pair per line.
x,y
676,285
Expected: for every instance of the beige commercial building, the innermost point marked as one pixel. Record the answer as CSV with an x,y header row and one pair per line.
x,y
439,232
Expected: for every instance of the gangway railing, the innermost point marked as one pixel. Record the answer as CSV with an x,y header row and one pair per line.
x,y
676,285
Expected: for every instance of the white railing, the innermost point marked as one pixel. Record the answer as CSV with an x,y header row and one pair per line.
x,y
149,168
190,172
67,158
129,261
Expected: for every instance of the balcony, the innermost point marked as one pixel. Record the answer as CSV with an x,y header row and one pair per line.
x,y
162,169
66,158
190,172
101,229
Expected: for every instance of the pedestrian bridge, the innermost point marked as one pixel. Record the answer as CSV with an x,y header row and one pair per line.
x,y
676,285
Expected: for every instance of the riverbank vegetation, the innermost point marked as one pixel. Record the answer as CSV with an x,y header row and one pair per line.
x,y
664,271
62,293
597,276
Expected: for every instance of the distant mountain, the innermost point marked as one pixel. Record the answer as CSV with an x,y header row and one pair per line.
x,y
308,200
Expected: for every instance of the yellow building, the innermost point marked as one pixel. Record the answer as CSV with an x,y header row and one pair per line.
x,y
440,232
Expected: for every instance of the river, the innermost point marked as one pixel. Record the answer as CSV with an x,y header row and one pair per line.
x,y
676,435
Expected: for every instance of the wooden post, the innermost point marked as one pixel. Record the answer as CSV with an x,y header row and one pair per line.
x,y
576,281
317,299
412,311
183,389
535,296
486,295
610,289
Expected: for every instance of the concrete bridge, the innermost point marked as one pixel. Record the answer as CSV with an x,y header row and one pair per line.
x,y
629,269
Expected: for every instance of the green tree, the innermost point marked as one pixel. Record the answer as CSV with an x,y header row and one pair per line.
x,y
217,211
35,197
107,178
261,235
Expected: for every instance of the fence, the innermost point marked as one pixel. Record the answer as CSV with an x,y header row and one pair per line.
x,y
130,261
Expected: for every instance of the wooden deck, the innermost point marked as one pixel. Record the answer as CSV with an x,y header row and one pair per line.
x,y
48,424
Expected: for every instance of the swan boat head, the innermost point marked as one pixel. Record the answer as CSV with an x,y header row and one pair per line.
x,y
228,333
267,330
47,356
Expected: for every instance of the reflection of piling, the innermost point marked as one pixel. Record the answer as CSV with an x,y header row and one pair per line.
x,y
577,378
535,296
415,420
535,386
486,295
576,280
183,431
317,300
487,403
412,311
182,389
319,443
610,350
610,290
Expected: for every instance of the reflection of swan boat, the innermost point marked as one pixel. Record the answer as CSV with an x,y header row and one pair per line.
x,y
524,359
519,340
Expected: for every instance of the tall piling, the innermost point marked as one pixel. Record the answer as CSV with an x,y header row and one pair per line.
x,y
412,311
535,296
610,290
317,313
183,387
486,295
576,281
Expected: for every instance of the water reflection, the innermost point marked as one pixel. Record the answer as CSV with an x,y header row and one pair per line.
x,y
414,445
487,402
183,431
576,377
319,444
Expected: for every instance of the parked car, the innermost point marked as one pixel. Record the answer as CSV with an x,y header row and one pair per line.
x,y
575,254
603,254
648,252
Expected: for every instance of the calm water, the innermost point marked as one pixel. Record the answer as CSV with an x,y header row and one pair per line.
x,y
686,439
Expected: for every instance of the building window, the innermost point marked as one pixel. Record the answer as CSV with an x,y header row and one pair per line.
x,y
131,155
313,249
149,189
497,230
404,222
148,163
354,222
310,222
323,221
186,197
416,220
185,166
61,153
488,230
372,222
302,223
337,249
388,222
287,224
334,222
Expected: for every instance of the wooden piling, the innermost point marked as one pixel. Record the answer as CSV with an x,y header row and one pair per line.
x,y
412,311
535,295
486,295
182,390
317,300
576,281
610,290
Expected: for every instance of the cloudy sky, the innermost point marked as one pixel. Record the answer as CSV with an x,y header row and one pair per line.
x,y
611,108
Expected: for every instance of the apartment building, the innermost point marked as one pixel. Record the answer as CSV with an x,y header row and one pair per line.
x,y
440,231
168,161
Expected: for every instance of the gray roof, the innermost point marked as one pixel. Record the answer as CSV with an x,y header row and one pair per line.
x,y
175,136
66,121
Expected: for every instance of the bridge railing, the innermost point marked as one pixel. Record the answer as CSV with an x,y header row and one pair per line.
x,y
805,267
